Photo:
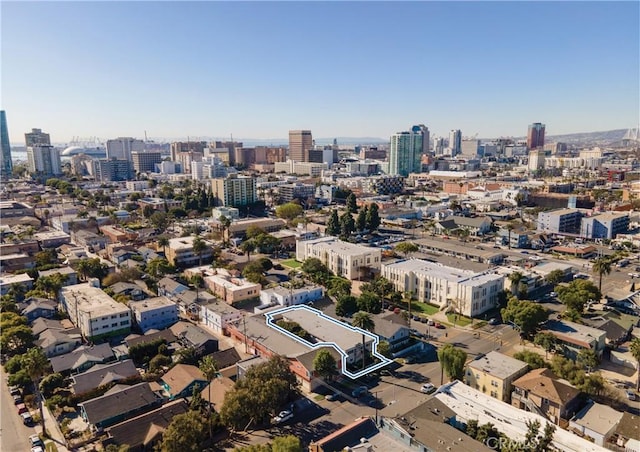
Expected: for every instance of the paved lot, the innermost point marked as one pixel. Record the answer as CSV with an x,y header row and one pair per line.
x,y
14,435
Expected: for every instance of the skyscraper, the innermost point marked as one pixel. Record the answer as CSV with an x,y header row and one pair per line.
x,y
300,142
6,165
122,147
455,142
36,137
406,152
535,136
44,160
426,139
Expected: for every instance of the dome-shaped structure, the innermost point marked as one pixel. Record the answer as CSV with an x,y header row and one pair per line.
x,y
91,151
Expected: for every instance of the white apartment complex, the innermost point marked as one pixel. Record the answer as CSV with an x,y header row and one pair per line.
x,y
95,312
345,259
467,292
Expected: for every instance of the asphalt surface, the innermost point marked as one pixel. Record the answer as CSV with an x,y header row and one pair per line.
x,y
14,435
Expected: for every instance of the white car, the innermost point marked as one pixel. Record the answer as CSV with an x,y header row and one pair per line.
x,y
427,388
283,416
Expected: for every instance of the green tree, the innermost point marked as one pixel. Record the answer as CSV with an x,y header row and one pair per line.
x,y
199,247
363,321
369,302
601,267
347,225
373,217
554,277
515,278
346,306
588,359
525,314
333,224
51,284
163,242
352,206
289,211
593,384
209,367
248,247
185,433
406,248
160,221
289,443
534,360
91,268
159,267
325,364
50,383
361,220
452,361
339,287
225,222
385,349
634,348
576,294
16,340
11,319
35,365
315,270
547,341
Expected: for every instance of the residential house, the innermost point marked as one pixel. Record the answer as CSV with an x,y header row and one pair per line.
x,y
117,404
82,358
102,374
575,337
148,254
154,313
214,392
191,302
541,392
54,342
627,432
596,422
226,361
135,339
168,287
180,380
190,335
143,432
282,296
89,240
13,262
346,437
394,330
477,226
43,324
130,290
22,279
38,307
217,316
70,273
494,373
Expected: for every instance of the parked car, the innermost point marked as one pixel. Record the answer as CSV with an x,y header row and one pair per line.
x,y
26,418
439,325
17,399
35,440
22,408
37,449
493,321
423,320
431,322
283,416
630,395
428,388
331,397
359,391
14,390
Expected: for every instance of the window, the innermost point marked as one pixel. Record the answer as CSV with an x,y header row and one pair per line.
x,y
113,325
494,383
126,322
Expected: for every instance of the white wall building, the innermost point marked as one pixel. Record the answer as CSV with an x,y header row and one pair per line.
x,y
217,316
95,312
467,292
302,168
345,259
154,313
289,297
122,147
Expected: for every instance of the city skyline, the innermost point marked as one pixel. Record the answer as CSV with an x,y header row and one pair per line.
x,y
179,69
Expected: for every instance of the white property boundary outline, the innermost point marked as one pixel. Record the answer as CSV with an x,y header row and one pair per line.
x,y
384,361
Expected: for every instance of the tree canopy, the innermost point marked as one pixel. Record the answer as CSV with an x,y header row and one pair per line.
x,y
576,294
452,360
325,364
525,314
289,211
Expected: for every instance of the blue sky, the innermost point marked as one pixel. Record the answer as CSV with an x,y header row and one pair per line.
x,y
258,69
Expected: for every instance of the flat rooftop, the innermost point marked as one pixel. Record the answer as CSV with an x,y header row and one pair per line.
x,y
150,304
92,300
345,248
451,247
437,270
574,331
498,365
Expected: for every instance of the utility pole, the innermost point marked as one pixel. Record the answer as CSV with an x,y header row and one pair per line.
x,y
244,333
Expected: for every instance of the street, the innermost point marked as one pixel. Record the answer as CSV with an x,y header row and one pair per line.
x,y
14,435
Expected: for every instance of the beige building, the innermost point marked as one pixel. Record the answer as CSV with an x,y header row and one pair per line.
x,y
300,142
234,190
231,288
300,168
464,291
345,259
180,252
494,374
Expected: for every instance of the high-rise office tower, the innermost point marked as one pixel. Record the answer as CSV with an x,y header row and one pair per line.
x,y
122,147
300,142
44,160
438,145
37,137
406,152
426,139
145,162
455,142
6,165
535,135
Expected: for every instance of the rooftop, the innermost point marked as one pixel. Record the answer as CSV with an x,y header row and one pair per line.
x,y
181,376
450,246
498,365
597,417
334,245
118,400
101,374
92,300
150,304
542,382
437,270
573,332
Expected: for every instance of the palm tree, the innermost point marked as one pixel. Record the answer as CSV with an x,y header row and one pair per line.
x,y
515,279
634,348
602,266
509,227
163,242
35,363
364,321
248,246
199,246
209,367
225,222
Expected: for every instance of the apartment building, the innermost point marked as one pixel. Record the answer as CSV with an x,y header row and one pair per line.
x,y
560,221
494,374
230,288
180,252
217,316
154,313
94,312
467,292
345,259
300,168
604,226
234,190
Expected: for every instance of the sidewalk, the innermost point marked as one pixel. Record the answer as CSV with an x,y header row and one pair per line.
x,y
55,434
